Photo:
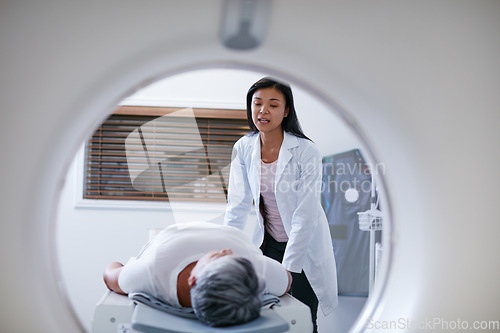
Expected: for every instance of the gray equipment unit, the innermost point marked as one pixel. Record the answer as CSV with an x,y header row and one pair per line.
x,y
346,191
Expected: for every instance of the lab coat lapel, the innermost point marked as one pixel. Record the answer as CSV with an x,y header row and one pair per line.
x,y
289,141
254,170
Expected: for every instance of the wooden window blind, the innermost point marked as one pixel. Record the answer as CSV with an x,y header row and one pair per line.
x,y
156,153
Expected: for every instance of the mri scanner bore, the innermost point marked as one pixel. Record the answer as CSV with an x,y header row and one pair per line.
x,y
154,149
417,81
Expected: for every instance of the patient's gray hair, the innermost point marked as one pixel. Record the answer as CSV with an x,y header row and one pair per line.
x,y
227,292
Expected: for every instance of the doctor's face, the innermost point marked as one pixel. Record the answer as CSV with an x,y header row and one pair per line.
x,y
268,109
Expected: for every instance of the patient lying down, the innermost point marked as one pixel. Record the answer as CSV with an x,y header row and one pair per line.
x,y
214,269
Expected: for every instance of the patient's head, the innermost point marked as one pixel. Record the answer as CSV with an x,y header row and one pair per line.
x,y
227,292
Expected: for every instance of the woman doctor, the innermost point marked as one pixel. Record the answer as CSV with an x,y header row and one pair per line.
x,y
278,170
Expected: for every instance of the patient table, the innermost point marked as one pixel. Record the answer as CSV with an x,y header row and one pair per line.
x,y
119,314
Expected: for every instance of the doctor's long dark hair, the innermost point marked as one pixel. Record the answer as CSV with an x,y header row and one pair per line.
x,y
291,122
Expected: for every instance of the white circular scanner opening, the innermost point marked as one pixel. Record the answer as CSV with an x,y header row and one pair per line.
x,y
92,231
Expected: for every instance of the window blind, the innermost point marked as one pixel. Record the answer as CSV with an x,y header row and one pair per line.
x,y
144,153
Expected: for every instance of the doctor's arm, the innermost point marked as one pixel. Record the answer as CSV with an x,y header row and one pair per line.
x,y
111,275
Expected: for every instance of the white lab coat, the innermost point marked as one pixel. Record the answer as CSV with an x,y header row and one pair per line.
x,y
298,189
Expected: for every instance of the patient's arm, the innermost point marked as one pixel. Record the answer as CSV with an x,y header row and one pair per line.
x,y
278,279
290,280
111,275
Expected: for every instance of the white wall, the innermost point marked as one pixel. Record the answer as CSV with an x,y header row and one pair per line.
x,y
89,236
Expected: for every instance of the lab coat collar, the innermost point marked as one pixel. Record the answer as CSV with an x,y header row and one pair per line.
x,y
290,141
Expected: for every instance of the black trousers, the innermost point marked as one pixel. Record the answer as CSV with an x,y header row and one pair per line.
x,y
300,289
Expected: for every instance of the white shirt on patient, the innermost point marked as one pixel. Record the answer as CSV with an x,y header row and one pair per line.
x,y
155,270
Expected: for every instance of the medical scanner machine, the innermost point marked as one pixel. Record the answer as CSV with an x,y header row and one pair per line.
x,y
140,313
416,81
